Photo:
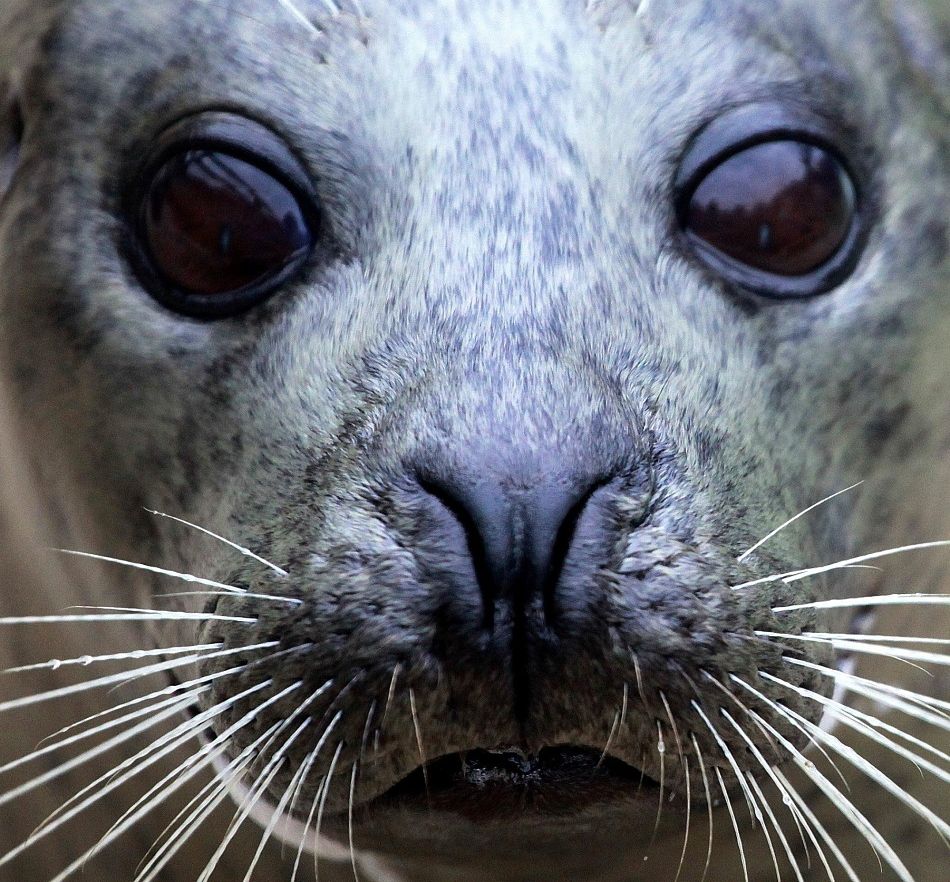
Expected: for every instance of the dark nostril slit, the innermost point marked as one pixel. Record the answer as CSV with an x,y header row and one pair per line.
x,y
563,541
473,538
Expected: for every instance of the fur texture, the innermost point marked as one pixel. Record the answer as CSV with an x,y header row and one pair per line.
x,y
508,295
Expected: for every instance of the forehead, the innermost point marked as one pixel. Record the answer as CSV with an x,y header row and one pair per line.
x,y
452,53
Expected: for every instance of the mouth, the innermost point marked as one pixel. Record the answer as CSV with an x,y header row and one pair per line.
x,y
487,786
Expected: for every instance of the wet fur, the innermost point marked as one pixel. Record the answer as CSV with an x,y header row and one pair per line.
x,y
506,268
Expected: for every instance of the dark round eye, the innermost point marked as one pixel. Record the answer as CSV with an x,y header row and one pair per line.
x,y
784,207
220,231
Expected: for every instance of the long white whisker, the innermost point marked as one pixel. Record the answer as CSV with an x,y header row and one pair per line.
x,y
143,616
62,816
727,753
208,800
162,746
709,807
844,714
871,638
349,824
840,801
257,790
160,571
905,655
735,825
247,595
323,802
187,701
679,869
98,750
54,664
309,765
126,676
419,744
182,687
278,811
797,575
874,600
763,762
239,548
923,707
760,798
792,520
816,824
661,752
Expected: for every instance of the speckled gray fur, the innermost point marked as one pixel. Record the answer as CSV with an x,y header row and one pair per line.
x,y
508,293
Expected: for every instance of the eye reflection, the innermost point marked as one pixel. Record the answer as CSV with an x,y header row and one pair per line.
x,y
784,207
215,223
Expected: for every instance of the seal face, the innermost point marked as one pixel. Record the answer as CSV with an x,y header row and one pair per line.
x,y
502,334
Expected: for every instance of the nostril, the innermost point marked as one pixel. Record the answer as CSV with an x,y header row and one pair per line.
x,y
519,536
452,500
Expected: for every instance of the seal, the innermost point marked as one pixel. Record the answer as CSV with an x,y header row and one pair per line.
x,y
500,441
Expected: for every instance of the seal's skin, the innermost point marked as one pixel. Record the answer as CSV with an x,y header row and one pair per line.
x,y
508,300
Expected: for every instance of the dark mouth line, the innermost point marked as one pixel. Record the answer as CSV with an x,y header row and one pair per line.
x,y
492,785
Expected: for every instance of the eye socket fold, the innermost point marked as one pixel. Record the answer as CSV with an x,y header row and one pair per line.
x,y
775,210
222,219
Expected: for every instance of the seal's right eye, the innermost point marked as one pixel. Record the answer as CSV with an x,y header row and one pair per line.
x,y
215,224
222,220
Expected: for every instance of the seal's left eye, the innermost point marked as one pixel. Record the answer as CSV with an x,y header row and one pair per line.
x,y
220,232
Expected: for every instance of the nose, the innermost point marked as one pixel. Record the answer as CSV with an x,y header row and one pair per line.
x,y
520,531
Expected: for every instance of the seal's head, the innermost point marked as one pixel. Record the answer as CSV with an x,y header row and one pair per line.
x,y
506,330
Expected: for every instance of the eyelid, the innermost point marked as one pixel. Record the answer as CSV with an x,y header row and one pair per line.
x,y
743,127
735,131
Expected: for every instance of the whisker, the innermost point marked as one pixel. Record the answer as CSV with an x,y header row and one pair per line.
x,y
709,805
126,676
124,720
61,816
871,638
161,571
181,687
679,869
615,726
792,520
817,825
843,713
159,748
209,799
278,809
769,770
797,575
745,709
754,810
661,751
54,664
250,801
875,600
311,759
239,548
761,800
915,704
143,616
349,825
735,825
838,799
419,744
905,655
247,595
783,839
323,801
100,749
